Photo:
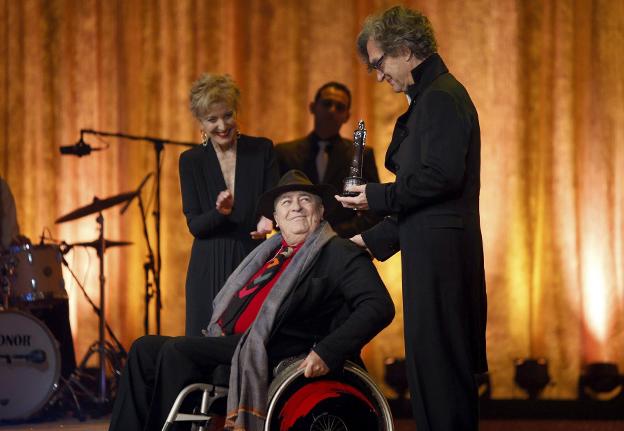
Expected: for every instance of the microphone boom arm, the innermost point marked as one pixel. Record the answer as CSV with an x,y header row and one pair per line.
x,y
135,137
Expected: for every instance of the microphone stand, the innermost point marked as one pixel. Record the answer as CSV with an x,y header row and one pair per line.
x,y
158,145
148,266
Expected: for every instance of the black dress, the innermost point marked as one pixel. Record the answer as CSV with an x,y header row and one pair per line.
x,y
220,242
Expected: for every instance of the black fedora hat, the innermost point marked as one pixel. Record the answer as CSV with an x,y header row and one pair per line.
x,y
295,180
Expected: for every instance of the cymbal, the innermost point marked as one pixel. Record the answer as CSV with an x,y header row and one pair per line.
x,y
96,206
96,244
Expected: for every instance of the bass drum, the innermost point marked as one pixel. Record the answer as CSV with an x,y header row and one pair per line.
x,y
30,365
345,401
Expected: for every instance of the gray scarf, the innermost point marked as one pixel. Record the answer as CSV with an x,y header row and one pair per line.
x,y
249,375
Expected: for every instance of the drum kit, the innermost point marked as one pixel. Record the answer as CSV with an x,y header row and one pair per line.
x,y
37,362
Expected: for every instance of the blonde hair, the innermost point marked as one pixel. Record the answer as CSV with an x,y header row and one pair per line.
x,y
210,89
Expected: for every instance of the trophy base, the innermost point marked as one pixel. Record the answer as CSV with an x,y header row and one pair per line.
x,y
351,181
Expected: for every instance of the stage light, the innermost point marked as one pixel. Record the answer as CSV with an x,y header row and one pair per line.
x,y
532,375
600,381
396,376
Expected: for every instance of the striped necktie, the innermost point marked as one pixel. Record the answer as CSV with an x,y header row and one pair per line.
x,y
272,268
241,300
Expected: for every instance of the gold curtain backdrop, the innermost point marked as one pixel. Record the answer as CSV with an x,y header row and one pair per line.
x,y
546,76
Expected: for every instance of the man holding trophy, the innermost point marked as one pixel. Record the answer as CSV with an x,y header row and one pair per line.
x,y
432,217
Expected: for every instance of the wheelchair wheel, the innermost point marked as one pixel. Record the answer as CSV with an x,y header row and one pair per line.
x,y
345,401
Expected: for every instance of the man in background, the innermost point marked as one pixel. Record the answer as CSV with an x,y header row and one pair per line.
x,y
325,157
9,229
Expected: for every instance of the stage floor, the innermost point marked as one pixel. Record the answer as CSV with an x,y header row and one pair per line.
x,y
401,425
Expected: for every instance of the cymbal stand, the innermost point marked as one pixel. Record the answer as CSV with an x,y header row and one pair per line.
x,y
117,353
104,350
121,352
6,271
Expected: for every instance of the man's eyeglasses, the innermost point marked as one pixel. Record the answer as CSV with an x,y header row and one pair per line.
x,y
338,106
377,65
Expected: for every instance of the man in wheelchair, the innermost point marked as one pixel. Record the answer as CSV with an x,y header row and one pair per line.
x,y
304,290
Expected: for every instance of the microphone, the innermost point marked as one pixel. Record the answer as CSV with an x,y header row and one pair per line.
x,y
81,148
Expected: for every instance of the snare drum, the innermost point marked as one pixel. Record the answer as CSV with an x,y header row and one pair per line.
x,y
345,401
37,274
30,365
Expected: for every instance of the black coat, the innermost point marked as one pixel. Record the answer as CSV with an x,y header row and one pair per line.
x,y
301,154
220,242
336,307
434,222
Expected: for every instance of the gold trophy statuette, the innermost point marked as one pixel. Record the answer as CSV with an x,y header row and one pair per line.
x,y
355,171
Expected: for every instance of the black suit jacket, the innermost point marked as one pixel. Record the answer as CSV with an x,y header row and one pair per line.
x,y
433,205
337,307
301,154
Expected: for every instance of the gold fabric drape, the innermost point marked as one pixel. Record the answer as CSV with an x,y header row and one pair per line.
x,y
547,78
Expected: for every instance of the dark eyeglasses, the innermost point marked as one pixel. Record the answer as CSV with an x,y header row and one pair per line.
x,y
328,103
377,65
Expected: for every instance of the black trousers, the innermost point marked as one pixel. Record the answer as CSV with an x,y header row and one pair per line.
x,y
158,368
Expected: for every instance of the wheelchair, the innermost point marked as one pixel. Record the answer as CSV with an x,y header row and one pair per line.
x,y
348,400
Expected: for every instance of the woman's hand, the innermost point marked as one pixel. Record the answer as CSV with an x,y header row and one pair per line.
x,y
358,202
225,202
313,365
264,227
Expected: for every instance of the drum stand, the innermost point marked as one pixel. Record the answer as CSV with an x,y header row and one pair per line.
x,y
106,351
7,266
